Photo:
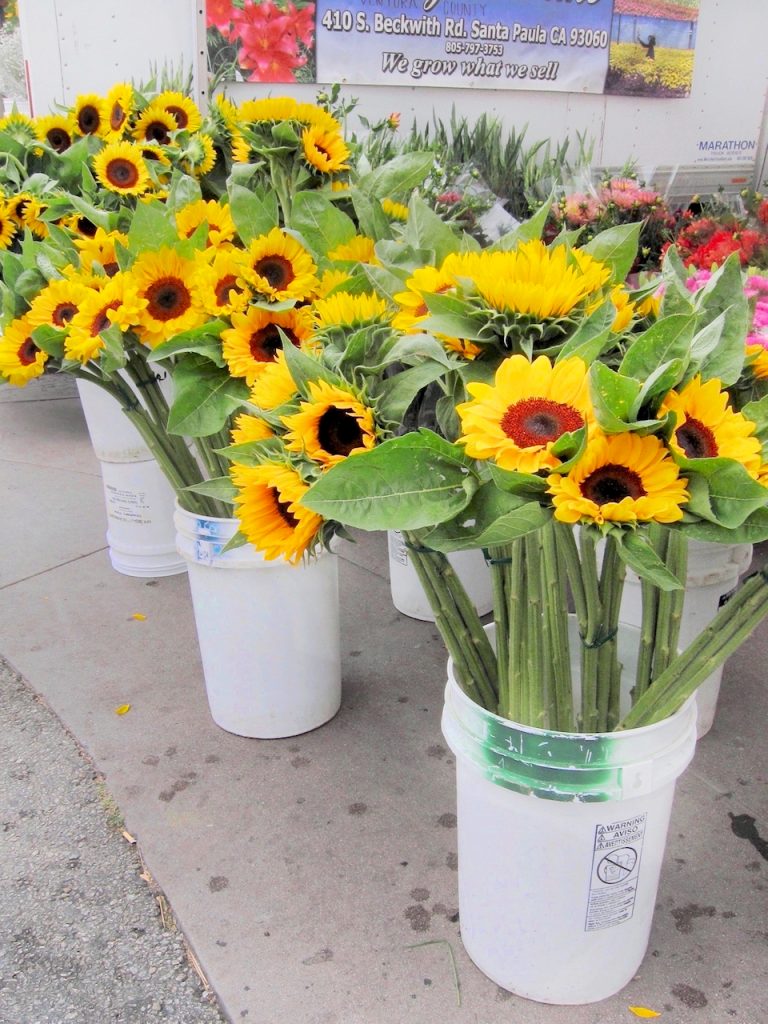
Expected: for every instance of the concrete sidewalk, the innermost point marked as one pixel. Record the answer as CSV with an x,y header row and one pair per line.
x,y
315,878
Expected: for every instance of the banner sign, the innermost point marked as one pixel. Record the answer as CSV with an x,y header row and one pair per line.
x,y
492,44
628,47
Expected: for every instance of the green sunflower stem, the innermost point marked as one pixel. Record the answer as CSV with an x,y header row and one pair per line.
x,y
559,648
497,559
725,633
670,604
590,638
608,668
516,587
458,622
535,696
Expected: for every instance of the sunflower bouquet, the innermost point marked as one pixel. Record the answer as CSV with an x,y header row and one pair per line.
x,y
570,440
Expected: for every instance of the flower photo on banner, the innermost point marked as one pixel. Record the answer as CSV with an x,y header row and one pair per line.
x,y
261,40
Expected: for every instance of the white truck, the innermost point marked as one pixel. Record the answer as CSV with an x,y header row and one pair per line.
x,y
715,137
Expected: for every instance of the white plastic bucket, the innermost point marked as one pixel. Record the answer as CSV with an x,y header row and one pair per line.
x,y
713,573
139,504
408,594
561,838
113,436
268,632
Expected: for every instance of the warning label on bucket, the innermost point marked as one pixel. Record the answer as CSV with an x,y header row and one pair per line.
x,y
615,872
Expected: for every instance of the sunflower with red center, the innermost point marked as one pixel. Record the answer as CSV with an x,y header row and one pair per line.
x,y
324,151
167,285
706,427
220,281
57,130
621,478
332,425
217,218
516,420
120,167
20,358
280,268
256,336
90,114
119,104
268,505
57,304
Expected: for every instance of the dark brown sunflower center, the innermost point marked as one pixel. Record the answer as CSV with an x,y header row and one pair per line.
x,y
111,268
537,421
88,120
58,139
285,513
63,313
339,432
122,173
86,227
179,115
101,321
27,352
696,440
116,117
267,342
158,132
168,298
612,483
277,270
225,288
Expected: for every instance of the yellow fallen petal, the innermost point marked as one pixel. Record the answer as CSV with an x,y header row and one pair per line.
x,y
123,709
138,616
643,1011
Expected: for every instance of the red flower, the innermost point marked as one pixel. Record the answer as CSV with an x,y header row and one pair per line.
x,y
762,212
302,23
218,14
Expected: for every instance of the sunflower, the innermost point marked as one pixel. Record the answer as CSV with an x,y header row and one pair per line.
x,y
199,155
332,425
166,283
413,307
221,227
57,303
20,358
273,108
155,125
359,249
90,114
181,108
57,130
274,386
99,251
310,114
280,267
757,360
120,167
27,210
8,227
625,309
21,127
621,478
516,420
344,310
250,428
114,303
240,148
395,211
329,280
466,349
706,427
537,282
255,338
119,103
268,505
325,151
220,281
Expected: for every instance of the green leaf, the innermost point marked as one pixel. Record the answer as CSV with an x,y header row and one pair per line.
x,y
592,336
29,283
614,398
398,176
112,357
385,283
726,361
254,211
254,453
635,551
373,222
203,340
152,228
305,368
754,530
322,225
183,191
492,517
220,487
396,393
732,494
526,484
425,230
617,248
406,483
205,396
757,413
49,339
667,339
